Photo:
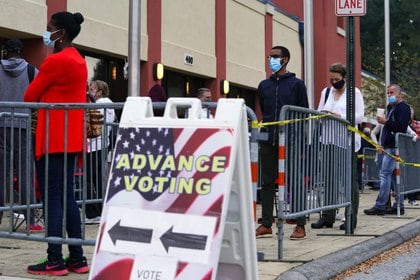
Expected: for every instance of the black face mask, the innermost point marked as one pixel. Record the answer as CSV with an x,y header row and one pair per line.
x,y
339,84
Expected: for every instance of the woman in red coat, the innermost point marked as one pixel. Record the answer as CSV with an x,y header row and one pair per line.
x,y
61,79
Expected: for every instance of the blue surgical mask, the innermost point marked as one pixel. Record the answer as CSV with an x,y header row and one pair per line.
x,y
92,94
275,64
392,99
47,39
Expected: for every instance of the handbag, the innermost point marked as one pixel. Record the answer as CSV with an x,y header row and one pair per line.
x,y
94,123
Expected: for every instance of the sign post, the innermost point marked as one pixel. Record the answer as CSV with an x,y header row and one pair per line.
x,y
350,8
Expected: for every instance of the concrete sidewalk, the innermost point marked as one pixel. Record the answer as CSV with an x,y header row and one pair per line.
x,y
326,252
310,258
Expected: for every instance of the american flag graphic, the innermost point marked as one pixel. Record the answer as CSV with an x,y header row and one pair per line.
x,y
163,142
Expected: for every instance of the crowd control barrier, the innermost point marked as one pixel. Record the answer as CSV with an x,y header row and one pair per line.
x,y
314,159
21,202
21,194
408,165
370,169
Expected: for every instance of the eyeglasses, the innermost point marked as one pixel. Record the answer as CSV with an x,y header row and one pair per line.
x,y
275,56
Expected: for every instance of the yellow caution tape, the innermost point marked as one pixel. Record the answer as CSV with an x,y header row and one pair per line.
x,y
293,120
377,146
255,124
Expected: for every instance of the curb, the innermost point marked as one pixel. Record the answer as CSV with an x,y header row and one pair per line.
x,y
330,265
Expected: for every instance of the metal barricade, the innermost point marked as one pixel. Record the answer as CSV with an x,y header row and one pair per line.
x,y
17,185
20,188
408,168
314,159
83,192
370,169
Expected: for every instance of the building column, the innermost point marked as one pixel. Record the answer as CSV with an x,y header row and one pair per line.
x,y
154,48
220,27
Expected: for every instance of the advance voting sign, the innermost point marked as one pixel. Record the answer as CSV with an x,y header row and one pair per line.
x,y
166,200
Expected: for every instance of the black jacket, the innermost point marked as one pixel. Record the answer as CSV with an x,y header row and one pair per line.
x,y
275,92
398,118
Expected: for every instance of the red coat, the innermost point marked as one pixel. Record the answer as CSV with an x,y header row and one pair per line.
x,y
61,79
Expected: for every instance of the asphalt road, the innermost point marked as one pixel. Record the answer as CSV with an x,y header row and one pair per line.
x,y
404,265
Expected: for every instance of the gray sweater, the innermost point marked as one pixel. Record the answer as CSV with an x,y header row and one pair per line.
x,y
13,83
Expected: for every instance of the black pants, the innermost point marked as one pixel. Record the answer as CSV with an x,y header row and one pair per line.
x,y
329,215
268,169
54,179
94,183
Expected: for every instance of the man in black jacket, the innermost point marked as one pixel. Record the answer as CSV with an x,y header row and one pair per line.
x,y
396,120
281,88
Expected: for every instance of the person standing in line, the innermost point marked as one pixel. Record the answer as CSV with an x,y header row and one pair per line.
x,y
336,104
204,94
414,126
61,79
396,120
281,88
15,76
98,93
157,94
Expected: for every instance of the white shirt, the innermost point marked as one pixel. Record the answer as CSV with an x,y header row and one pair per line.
x,y
205,113
339,107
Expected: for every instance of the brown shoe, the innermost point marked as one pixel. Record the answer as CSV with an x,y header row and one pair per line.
x,y
263,231
298,233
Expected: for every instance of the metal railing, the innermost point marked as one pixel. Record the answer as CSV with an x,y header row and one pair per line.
x,y
18,184
370,169
408,167
83,191
314,165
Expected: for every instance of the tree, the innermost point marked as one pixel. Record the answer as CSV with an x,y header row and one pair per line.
x,y
405,46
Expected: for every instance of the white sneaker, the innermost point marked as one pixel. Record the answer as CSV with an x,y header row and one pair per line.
x,y
413,203
18,216
93,221
337,215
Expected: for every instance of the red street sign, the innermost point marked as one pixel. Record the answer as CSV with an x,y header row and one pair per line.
x,y
350,7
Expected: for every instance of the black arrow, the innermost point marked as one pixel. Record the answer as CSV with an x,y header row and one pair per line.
x,y
118,232
183,240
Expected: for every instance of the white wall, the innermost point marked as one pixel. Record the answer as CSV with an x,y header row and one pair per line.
x,y
286,33
245,42
188,27
29,17
106,25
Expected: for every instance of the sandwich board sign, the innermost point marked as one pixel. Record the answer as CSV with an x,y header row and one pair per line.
x,y
178,203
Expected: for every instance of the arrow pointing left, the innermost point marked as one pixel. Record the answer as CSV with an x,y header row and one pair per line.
x,y
131,234
183,240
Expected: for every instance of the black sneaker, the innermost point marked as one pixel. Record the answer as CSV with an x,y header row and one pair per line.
x,y
46,267
393,211
374,211
77,265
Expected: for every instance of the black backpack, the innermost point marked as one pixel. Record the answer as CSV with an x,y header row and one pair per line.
x,y
327,93
31,72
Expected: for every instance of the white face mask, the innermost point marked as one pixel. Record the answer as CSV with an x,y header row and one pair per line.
x,y
47,38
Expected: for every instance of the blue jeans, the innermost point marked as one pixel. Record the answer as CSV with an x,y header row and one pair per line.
x,y
55,177
387,165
